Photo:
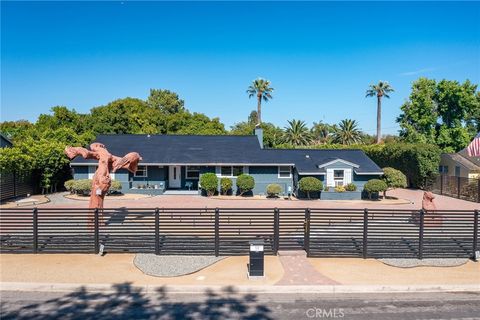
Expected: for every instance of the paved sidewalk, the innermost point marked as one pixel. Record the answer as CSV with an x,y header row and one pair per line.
x,y
299,271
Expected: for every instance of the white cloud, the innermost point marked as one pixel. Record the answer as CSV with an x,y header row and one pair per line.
x,y
420,71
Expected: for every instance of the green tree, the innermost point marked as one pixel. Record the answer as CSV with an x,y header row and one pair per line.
x,y
321,132
310,184
165,101
347,132
446,113
261,89
379,90
297,133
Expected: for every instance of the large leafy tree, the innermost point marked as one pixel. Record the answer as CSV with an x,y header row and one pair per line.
x,y
446,113
322,132
272,135
261,89
297,133
347,133
166,101
379,90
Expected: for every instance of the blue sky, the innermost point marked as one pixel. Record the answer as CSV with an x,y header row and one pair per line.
x,y
319,56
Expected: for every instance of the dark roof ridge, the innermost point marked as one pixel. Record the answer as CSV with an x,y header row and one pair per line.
x,y
176,135
283,149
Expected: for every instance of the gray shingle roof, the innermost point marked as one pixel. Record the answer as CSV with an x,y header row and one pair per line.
x,y
225,149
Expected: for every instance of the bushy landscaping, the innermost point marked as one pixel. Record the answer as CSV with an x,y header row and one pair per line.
x,y
245,184
394,179
273,190
209,183
83,186
374,186
310,185
226,185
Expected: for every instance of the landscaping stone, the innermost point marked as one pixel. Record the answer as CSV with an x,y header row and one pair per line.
x,y
411,263
172,266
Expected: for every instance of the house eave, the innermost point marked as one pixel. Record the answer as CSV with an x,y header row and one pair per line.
x,y
194,164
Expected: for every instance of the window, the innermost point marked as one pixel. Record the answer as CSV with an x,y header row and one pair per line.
x,y
193,172
284,172
443,169
457,171
338,176
141,172
229,171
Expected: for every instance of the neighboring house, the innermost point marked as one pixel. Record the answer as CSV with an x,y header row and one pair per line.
x,y
460,164
177,161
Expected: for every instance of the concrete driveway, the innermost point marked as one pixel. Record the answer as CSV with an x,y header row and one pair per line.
x,y
413,200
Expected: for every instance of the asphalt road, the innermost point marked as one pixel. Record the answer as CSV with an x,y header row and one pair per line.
x,y
125,303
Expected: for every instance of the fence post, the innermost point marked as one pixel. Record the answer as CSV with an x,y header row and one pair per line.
x,y
458,187
441,184
35,230
217,232
157,231
478,191
96,232
365,233
475,232
276,231
306,235
420,234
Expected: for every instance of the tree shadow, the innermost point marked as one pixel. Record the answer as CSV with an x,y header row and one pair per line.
x,y
127,302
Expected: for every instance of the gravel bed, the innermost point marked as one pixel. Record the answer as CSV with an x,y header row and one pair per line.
x,y
411,263
172,266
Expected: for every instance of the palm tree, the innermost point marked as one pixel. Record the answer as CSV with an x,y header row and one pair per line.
x,y
297,133
382,89
262,90
347,132
321,132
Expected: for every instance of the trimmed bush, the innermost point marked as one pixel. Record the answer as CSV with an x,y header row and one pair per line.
x,y
245,183
375,186
82,186
209,183
394,178
69,185
225,185
340,189
351,187
310,184
116,186
326,188
273,190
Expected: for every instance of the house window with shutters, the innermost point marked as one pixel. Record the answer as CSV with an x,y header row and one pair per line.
x,y
338,177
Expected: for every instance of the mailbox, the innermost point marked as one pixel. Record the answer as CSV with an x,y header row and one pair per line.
x,y
256,265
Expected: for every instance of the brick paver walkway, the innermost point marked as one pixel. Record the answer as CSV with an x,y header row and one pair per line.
x,y
299,271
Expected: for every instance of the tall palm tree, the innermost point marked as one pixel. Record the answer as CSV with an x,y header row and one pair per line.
x,y
347,132
321,132
297,133
381,89
261,89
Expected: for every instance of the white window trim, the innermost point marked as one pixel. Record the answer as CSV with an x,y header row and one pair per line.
x,y
143,176
290,172
219,174
333,176
187,171
338,179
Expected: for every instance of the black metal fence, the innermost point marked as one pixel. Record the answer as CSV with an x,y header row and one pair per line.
x,y
16,184
457,187
228,231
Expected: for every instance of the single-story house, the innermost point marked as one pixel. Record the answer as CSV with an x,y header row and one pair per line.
x,y
176,162
459,164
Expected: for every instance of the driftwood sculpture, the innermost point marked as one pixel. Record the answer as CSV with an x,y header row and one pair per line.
x,y
106,163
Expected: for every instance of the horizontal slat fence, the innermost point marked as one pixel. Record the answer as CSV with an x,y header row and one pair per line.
x,y
228,231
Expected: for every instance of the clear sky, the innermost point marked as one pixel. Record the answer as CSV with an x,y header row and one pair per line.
x,y
319,56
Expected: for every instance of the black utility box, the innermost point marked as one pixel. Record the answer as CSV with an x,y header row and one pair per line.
x,y
256,265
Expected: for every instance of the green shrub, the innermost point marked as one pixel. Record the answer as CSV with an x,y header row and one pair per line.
x,y
69,185
351,187
310,184
326,188
340,189
273,190
374,186
225,185
116,185
82,186
394,178
209,183
245,183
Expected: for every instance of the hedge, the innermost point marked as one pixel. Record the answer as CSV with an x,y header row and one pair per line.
x,y
83,186
225,185
374,186
273,190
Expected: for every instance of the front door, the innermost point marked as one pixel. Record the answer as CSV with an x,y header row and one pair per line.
x,y
174,177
